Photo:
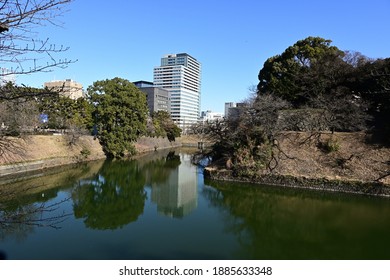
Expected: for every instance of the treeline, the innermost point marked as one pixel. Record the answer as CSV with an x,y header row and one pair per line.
x,y
314,87
115,111
351,89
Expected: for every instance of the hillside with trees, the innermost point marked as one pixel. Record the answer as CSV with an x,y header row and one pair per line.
x,y
310,96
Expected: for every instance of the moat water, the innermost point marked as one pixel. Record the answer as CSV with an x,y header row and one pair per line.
x,y
160,207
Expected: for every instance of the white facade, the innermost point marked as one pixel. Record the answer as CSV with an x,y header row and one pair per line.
x,y
210,116
6,76
180,75
178,196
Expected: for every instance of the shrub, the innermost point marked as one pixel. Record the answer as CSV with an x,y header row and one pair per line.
x,y
330,145
85,153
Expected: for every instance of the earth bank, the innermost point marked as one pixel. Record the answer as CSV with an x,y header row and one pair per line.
x,y
343,162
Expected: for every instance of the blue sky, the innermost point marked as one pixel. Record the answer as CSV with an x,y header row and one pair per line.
x,y
231,39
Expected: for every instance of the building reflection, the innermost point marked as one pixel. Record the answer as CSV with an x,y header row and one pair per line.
x,y
177,196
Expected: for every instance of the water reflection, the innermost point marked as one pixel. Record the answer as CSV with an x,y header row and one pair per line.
x,y
127,202
113,198
280,223
177,195
116,195
27,204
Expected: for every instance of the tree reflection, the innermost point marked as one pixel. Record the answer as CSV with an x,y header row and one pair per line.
x,y
280,223
20,213
116,196
113,198
32,200
158,169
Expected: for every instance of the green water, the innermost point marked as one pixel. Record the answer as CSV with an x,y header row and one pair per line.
x,y
159,207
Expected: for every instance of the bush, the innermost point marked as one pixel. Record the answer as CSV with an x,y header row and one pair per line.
x,y
85,153
330,145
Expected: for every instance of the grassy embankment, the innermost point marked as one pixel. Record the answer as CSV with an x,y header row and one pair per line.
x,y
336,162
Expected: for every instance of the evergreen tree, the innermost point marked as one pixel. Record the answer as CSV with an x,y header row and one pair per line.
x,y
120,114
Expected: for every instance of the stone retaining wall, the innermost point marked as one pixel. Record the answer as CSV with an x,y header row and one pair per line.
x,y
43,151
355,187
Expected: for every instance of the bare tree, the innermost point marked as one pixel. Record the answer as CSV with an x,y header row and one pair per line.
x,y
20,52
38,215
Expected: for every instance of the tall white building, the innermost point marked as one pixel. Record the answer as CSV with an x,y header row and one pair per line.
x,y
180,75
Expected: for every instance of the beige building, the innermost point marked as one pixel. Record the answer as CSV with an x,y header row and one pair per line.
x,y
68,88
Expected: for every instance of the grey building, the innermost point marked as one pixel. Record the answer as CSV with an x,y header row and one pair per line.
x,y
158,98
233,110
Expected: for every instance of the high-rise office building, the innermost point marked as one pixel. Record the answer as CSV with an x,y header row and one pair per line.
x,y
180,75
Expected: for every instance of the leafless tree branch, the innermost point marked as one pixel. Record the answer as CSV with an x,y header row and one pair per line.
x,y
34,216
18,48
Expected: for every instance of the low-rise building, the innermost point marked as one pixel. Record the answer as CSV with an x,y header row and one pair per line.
x,y
68,88
210,116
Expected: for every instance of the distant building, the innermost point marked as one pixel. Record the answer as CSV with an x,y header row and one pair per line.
x,y
210,116
158,98
143,84
180,75
232,109
229,105
6,76
68,88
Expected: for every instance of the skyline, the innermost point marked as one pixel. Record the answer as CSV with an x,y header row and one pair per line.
x,y
126,39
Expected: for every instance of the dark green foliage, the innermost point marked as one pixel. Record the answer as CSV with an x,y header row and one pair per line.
x,y
352,90
11,91
164,126
120,113
283,74
65,113
13,130
314,87
314,74
114,198
373,82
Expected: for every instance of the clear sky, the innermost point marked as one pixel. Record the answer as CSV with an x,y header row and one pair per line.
x,y
231,39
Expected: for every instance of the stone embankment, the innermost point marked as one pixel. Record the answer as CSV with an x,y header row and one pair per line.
x,y
321,184
354,165
43,151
